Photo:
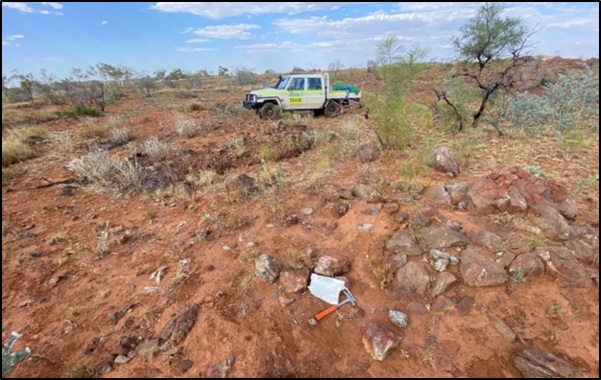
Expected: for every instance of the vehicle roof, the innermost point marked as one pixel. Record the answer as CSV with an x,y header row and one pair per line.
x,y
305,75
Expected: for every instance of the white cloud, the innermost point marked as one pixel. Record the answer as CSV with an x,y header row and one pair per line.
x,y
196,40
103,22
18,6
56,6
227,32
187,49
374,23
316,46
27,9
570,24
12,37
214,10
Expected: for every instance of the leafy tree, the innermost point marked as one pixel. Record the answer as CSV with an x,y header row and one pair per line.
x,y
490,48
27,82
6,93
160,74
176,74
335,67
222,71
244,75
114,78
146,84
47,86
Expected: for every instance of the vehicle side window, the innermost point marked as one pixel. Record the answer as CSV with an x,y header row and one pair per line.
x,y
298,84
315,84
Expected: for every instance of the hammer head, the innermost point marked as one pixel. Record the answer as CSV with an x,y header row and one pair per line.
x,y
349,296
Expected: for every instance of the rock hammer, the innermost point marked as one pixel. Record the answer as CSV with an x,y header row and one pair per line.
x,y
318,317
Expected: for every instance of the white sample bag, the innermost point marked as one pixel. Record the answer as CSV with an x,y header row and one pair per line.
x,y
326,288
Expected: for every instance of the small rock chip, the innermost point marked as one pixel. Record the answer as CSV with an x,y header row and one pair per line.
x,y
398,318
184,366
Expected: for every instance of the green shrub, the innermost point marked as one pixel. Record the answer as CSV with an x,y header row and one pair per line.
x,y
79,111
391,109
10,359
572,101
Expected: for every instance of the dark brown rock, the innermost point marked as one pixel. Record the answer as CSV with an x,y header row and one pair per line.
x,y
345,192
180,325
332,265
391,207
486,239
184,366
222,369
414,277
534,363
479,269
442,303
402,242
568,208
438,195
367,153
400,217
457,191
295,281
443,282
419,221
341,208
378,340
241,182
550,221
394,261
368,193
464,304
529,263
442,159
442,237
567,268
501,326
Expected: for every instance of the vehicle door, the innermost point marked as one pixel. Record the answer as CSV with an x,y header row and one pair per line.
x,y
296,94
315,95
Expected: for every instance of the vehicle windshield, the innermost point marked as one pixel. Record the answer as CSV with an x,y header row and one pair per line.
x,y
282,84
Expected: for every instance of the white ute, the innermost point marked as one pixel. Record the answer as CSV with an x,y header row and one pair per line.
x,y
302,92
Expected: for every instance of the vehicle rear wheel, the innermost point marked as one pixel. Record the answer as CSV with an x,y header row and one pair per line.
x,y
270,111
332,109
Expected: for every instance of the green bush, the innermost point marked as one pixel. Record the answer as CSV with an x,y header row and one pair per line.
x,y
79,111
10,359
572,101
391,109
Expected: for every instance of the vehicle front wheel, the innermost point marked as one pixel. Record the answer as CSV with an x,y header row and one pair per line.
x,y
332,109
270,111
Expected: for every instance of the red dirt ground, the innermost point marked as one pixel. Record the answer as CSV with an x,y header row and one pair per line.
x,y
61,295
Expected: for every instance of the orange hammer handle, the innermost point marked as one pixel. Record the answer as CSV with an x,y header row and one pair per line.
x,y
326,312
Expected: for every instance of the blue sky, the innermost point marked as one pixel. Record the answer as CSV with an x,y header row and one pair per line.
x,y
259,36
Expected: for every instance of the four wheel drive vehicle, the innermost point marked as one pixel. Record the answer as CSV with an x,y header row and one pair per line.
x,y
302,92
